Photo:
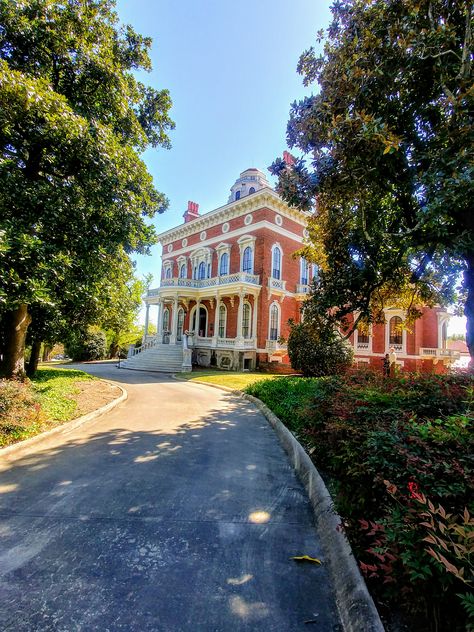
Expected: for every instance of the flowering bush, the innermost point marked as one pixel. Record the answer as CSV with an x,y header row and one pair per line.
x,y
393,451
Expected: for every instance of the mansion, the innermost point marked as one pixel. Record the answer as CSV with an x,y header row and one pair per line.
x,y
230,283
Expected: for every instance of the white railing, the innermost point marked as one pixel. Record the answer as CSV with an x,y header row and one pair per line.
x,y
272,346
226,342
277,284
302,288
249,343
434,352
226,279
148,344
363,346
203,340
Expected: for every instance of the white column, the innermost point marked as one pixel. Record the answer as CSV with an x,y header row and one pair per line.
x,y
159,320
254,318
198,307
174,322
216,321
240,314
147,319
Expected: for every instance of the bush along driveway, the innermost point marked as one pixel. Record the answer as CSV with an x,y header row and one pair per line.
x,y
397,454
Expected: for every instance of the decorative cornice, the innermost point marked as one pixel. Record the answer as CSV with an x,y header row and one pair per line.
x,y
265,198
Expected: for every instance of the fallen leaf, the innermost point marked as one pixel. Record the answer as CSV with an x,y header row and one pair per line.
x,y
306,558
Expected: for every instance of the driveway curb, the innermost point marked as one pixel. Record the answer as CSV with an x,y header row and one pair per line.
x,y
69,425
356,607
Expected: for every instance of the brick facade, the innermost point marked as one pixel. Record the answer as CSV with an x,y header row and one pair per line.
x,y
261,221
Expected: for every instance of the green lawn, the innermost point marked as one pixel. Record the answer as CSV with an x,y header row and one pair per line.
x,y
29,408
231,379
54,386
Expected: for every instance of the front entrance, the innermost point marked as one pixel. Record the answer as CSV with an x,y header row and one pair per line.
x,y
201,330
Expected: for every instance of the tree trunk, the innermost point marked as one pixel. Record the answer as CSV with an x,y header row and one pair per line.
x,y
34,358
16,325
46,352
469,307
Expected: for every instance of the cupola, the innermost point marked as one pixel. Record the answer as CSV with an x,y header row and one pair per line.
x,y
250,181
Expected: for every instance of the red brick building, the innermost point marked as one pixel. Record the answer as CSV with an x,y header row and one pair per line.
x,y
229,279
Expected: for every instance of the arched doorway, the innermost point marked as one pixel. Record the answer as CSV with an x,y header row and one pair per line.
x,y
200,328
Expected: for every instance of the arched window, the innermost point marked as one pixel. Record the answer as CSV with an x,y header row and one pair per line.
x,y
208,270
195,275
395,331
247,260
182,271
246,321
304,272
202,270
222,320
274,321
276,263
237,195
179,333
251,190
166,319
224,265
363,336
168,273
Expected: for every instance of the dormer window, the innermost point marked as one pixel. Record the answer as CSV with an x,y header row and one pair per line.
x,y
237,195
251,190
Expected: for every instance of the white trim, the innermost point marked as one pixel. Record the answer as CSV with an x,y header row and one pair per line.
x,y
218,307
389,314
191,316
277,245
250,320
277,305
235,233
265,198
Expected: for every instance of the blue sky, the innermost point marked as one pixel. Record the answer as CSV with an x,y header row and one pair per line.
x,y
231,72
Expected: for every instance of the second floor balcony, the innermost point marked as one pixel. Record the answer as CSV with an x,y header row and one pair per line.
x,y
223,280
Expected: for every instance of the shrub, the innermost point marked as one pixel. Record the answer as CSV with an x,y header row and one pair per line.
x,y
385,444
316,349
90,346
19,409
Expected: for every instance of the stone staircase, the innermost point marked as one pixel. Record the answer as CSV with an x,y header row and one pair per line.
x,y
159,357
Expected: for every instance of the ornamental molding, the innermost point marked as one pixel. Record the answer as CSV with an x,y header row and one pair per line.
x,y
265,198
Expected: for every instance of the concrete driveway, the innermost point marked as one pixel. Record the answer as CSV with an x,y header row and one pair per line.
x,y
177,511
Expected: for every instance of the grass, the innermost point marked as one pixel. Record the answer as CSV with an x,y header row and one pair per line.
x,y
54,388
237,380
28,408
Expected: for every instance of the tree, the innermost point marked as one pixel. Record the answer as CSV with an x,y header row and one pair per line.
x,y
73,123
389,148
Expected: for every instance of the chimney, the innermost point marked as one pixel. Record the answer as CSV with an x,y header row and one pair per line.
x,y
192,212
288,159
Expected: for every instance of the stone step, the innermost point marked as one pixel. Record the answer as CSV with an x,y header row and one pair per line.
x,y
162,358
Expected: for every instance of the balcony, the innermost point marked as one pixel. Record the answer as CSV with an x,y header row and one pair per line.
x,y
219,281
277,284
439,354
302,288
223,343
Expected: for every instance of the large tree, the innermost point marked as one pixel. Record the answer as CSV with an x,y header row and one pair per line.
x,y
74,121
388,166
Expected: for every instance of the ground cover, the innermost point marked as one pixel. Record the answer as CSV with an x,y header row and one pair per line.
x,y
54,396
237,380
397,454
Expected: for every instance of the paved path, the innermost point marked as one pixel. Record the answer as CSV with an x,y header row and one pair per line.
x,y
175,511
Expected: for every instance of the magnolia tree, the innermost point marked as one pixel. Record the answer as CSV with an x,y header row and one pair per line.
x,y
388,144
74,121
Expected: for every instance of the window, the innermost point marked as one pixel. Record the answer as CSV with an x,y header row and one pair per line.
x,y
195,276
246,321
182,271
251,190
237,195
395,331
276,263
247,260
363,336
208,270
222,321
166,319
274,322
444,335
168,273
179,333
202,270
224,267
304,271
